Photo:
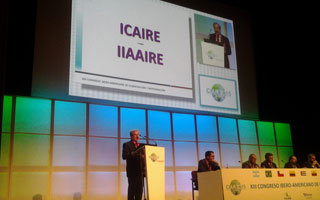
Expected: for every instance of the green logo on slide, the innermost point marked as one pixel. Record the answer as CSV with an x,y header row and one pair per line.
x,y
218,92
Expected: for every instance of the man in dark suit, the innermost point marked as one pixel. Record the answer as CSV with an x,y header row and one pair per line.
x,y
268,163
293,162
251,163
312,162
135,166
221,40
208,163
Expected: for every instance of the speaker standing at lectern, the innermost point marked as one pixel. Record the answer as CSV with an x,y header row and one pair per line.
x,y
135,168
208,163
221,40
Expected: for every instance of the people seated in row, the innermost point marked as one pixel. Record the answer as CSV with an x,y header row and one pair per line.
x,y
210,164
292,163
252,162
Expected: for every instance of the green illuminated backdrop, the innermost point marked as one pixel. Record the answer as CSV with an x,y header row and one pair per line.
x,y
61,149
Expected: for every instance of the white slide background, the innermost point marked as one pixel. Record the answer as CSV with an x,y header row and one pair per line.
x,y
101,36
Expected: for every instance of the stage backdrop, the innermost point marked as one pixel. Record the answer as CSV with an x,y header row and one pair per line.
x,y
72,150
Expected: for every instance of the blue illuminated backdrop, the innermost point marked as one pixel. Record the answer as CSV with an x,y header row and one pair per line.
x,y
62,148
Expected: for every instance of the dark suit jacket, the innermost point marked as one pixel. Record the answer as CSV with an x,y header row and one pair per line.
x,y
309,165
247,164
224,42
133,161
203,167
265,165
291,165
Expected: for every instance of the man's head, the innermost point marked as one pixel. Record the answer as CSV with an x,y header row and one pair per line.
x,y
311,157
293,159
209,155
253,158
217,28
269,157
134,135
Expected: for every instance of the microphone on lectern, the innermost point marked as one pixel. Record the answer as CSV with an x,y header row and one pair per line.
x,y
147,138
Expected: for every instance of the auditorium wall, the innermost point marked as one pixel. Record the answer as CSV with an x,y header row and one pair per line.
x,y
72,150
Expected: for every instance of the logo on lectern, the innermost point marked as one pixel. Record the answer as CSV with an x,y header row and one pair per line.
x,y
235,187
211,55
154,157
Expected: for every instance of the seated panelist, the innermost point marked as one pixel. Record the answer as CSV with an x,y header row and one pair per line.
x,y
312,162
268,163
208,163
292,163
251,163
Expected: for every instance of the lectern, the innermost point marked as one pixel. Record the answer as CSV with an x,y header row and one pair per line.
x,y
212,54
154,161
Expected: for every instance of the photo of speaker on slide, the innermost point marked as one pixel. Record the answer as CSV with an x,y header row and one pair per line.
x,y
215,42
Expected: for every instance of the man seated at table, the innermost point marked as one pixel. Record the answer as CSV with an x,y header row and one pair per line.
x,y
312,162
208,163
293,162
251,163
268,163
